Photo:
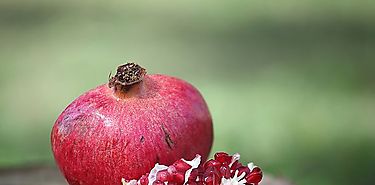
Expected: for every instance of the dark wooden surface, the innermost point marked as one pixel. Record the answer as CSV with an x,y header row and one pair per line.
x,y
51,176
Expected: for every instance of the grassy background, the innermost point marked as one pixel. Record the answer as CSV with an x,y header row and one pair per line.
x,y
290,84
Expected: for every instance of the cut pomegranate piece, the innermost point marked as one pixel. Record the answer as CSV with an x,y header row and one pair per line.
x,y
222,170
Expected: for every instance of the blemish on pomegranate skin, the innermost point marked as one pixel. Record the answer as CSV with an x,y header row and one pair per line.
x,y
142,139
167,138
157,159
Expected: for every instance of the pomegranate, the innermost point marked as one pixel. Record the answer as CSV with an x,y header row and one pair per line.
x,y
123,128
222,170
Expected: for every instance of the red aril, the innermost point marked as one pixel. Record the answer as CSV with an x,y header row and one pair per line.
x,y
203,174
123,128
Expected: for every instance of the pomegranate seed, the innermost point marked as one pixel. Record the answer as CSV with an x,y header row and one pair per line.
x,y
212,163
162,175
193,175
254,178
223,157
157,183
200,183
172,169
144,180
213,179
177,178
235,165
211,176
191,183
256,169
181,166
225,171
209,180
243,169
210,170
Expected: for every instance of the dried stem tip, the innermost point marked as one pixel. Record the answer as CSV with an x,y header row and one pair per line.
x,y
127,75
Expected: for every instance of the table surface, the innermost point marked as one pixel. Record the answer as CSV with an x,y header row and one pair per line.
x,y
45,175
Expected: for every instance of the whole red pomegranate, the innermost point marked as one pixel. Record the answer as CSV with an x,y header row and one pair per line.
x,y
123,128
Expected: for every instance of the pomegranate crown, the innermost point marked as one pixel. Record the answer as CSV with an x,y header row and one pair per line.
x,y
127,75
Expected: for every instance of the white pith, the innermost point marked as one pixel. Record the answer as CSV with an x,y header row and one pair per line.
x,y
194,164
154,171
235,180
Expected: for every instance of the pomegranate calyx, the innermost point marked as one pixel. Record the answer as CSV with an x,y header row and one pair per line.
x,y
127,75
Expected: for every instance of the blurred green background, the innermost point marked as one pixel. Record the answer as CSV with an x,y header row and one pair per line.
x,y
290,84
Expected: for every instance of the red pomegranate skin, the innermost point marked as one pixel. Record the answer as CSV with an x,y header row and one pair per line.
x,y
101,138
